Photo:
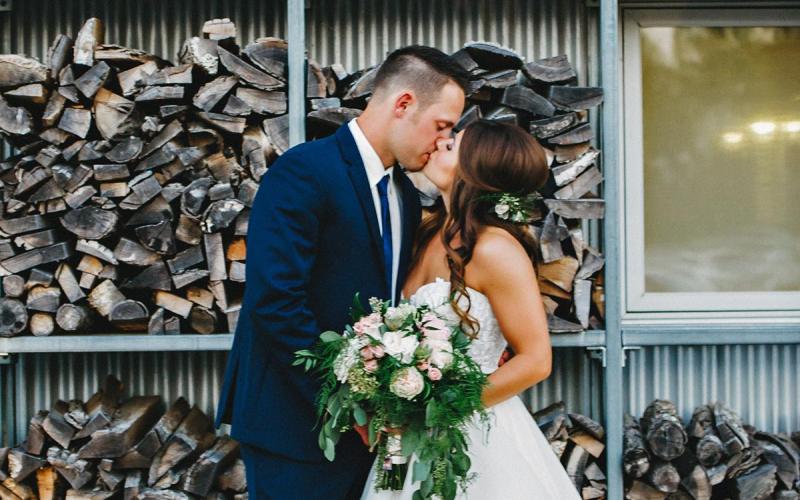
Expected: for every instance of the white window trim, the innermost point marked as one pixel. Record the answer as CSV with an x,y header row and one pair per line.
x,y
639,306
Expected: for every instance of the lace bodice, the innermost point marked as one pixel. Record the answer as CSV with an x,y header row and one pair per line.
x,y
490,343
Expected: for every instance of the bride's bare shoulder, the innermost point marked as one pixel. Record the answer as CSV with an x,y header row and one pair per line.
x,y
498,254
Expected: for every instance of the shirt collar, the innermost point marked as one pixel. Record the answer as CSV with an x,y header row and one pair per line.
x,y
372,162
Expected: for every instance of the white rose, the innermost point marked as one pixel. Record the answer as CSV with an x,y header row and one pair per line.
x,y
501,209
441,352
400,346
407,383
396,316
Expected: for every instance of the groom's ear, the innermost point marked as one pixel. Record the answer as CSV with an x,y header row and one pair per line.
x,y
404,101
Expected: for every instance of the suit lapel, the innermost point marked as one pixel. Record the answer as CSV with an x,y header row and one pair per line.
x,y
358,177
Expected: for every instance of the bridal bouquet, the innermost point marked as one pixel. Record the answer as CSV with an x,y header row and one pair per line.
x,y
406,375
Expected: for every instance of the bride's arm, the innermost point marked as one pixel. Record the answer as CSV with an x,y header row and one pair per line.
x,y
501,270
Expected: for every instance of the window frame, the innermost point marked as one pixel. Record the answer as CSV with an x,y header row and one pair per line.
x,y
770,306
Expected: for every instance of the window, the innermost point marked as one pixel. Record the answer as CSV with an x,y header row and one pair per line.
x,y
712,161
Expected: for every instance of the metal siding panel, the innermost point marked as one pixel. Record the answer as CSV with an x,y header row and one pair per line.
x,y
575,379
359,34
759,382
159,27
43,378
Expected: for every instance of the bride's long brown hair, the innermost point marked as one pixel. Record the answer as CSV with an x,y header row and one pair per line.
x,y
493,158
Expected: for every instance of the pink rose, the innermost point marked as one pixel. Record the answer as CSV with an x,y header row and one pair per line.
x,y
371,365
377,351
433,327
434,373
369,325
366,353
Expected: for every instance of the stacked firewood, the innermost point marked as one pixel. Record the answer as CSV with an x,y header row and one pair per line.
x,y
126,208
122,448
715,456
579,442
542,97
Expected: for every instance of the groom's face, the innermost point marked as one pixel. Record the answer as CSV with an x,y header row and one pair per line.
x,y
417,135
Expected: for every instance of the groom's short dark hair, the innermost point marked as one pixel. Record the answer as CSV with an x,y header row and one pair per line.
x,y
424,69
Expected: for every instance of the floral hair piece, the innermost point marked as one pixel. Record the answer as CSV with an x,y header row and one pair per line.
x,y
511,207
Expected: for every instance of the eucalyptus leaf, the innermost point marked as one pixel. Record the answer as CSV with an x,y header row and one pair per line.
x,y
330,336
360,415
421,471
330,449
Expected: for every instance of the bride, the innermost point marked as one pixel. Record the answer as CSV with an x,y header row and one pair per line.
x,y
475,266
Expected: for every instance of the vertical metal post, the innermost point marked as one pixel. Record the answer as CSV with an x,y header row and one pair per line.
x,y
609,73
296,29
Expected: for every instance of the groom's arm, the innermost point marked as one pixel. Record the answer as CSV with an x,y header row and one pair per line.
x,y
281,247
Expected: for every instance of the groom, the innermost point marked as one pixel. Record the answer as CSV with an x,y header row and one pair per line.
x,y
331,218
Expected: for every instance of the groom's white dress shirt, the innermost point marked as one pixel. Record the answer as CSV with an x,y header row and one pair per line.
x,y
376,172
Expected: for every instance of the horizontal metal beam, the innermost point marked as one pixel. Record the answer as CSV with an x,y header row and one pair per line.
x,y
711,335
116,343
589,338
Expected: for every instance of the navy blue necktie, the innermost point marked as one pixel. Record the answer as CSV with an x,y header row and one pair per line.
x,y
386,223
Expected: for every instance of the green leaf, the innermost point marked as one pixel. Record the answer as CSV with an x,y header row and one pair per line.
x,y
359,415
357,310
426,488
321,439
417,496
421,470
299,361
330,449
430,413
330,336
373,434
410,442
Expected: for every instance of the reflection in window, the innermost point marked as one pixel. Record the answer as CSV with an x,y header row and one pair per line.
x,y
721,114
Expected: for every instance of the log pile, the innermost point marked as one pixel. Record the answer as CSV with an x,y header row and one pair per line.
x,y
715,456
579,442
113,447
126,207
542,97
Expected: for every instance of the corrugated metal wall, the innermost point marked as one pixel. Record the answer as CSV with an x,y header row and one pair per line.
x,y
197,376
760,382
157,26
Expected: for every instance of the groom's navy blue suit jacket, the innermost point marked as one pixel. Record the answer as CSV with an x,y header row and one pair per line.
x,y
313,242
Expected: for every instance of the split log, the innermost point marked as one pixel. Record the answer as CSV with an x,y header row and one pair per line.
x,y
104,297
247,72
129,316
130,423
34,443
78,472
190,438
199,479
16,70
233,478
22,464
47,483
101,407
550,70
89,37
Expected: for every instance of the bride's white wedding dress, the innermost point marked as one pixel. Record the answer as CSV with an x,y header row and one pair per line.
x,y
512,460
